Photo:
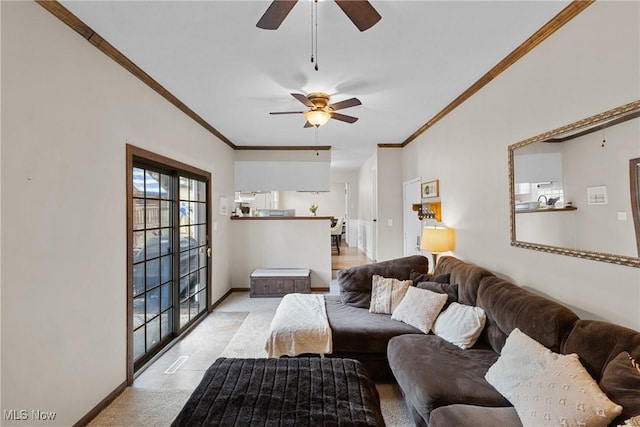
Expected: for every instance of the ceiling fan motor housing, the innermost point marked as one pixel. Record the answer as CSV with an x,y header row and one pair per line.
x,y
319,99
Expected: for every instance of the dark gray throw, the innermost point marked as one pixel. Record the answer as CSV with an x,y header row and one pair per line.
x,y
283,392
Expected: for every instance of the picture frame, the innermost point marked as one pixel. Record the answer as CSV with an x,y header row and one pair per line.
x,y
430,189
597,195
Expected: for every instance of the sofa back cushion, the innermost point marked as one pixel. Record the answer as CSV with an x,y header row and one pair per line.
x,y
508,306
466,275
355,282
597,343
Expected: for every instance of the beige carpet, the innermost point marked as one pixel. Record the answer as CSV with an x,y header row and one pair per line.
x,y
147,407
139,407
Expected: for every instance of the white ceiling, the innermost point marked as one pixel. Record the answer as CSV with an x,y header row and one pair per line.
x,y
405,69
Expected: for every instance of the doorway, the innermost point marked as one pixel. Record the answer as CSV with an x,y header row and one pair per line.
x,y
168,280
411,224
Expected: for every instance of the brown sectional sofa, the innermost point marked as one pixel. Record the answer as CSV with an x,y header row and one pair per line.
x,y
361,335
444,385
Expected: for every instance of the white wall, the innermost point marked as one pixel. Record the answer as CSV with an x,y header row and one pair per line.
x,y
281,243
330,203
587,67
589,164
67,112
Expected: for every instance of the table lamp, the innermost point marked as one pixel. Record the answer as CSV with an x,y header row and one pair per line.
x,y
437,240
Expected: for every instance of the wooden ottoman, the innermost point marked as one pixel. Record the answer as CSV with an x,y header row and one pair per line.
x,y
283,392
277,282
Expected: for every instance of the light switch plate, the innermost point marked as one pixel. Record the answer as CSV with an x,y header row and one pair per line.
x,y
390,222
622,216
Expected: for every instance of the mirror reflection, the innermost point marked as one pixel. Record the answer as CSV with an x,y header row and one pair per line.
x,y
571,190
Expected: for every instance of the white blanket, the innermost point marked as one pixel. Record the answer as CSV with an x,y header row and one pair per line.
x,y
300,326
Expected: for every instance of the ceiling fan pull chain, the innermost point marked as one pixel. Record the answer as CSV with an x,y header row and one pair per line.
x,y
317,154
311,32
316,37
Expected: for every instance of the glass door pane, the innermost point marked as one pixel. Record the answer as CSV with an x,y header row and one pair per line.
x,y
152,261
193,249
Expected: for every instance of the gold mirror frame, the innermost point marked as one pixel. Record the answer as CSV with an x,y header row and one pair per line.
x,y
596,256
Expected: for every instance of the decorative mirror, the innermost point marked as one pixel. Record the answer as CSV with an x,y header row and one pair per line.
x,y
575,190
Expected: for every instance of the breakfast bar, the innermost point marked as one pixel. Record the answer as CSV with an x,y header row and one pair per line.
x,y
281,242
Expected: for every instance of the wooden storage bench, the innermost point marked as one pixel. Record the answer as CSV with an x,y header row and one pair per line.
x,y
277,282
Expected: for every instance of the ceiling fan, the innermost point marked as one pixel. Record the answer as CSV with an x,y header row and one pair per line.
x,y
361,13
320,111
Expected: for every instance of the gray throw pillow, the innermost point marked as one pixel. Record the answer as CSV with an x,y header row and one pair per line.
x,y
621,383
418,277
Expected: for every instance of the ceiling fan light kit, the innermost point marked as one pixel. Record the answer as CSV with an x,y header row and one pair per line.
x,y
317,117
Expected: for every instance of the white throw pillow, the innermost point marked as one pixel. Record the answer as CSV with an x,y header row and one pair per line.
x,y
520,359
386,293
460,324
419,308
564,394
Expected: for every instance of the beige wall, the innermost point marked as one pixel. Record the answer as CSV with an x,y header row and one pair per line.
x,y
587,67
67,111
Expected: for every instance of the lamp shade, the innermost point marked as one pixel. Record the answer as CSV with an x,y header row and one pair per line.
x,y
317,117
438,239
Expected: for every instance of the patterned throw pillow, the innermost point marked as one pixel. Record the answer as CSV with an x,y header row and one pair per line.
x,y
419,308
564,394
621,382
386,294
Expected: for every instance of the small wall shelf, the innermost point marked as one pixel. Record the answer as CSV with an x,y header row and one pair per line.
x,y
567,209
431,210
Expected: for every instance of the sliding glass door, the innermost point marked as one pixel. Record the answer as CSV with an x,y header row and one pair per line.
x,y
169,259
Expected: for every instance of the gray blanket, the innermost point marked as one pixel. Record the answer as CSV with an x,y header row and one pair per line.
x,y
283,392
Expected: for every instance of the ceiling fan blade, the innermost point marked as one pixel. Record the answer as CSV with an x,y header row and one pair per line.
x,y
361,13
308,125
300,97
275,14
352,102
287,112
344,118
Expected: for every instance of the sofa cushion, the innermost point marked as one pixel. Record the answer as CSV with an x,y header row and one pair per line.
x,y
621,382
433,372
509,306
467,276
479,416
355,282
612,340
354,329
